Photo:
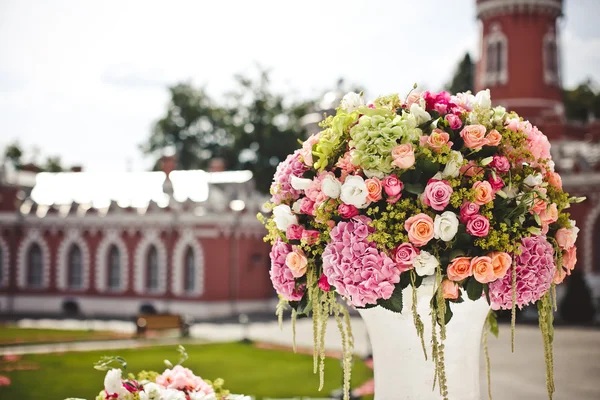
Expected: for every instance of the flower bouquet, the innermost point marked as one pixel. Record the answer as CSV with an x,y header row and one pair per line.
x,y
175,383
435,186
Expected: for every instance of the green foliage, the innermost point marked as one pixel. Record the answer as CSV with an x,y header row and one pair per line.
x,y
108,362
582,102
464,76
474,289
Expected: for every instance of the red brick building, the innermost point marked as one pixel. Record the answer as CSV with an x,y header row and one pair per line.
x,y
521,65
185,242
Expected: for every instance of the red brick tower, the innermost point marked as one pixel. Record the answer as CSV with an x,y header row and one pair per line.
x,y
520,61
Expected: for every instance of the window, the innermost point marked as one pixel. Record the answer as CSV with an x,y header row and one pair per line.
x,y
190,271
152,269
34,266
114,268
496,57
75,269
551,64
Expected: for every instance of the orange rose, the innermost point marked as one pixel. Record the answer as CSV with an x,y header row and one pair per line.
x,y
570,259
559,275
459,269
420,229
539,204
474,136
493,138
296,261
470,169
500,262
450,289
555,180
438,139
483,192
374,189
483,269
549,214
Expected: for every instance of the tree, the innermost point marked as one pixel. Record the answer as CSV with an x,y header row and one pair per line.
x,y
582,102
13,153
464,76
53,164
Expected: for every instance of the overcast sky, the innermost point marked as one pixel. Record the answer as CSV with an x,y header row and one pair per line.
x,y
86,79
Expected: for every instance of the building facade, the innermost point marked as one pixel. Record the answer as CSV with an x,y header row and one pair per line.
x,y
521,65
115,245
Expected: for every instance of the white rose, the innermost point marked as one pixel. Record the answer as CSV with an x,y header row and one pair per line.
x,y
445,226
421,116
533,180
112,381
173,394
466,99
511,192
425,263
354,192
203,396
300,183
452,168
152,391
297,206
574,228
351,101
483,99
331,187
284,217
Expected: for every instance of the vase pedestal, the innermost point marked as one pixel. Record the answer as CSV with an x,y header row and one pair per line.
x,y
401,371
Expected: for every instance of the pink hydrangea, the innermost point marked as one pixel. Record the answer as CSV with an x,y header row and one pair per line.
x,y
535,271
281,188
181,378
355,267
281,276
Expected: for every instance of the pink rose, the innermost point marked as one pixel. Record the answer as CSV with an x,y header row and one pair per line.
x,y
307,146
307,207
478,226
420,229
474,136
496,183
436,140
374,189
441,108
297,262
437,194
294,232
566,238
500,164
549,215
467,211
310,236
324,283
347,211
414,97
555,180
404,156
471,169
454,121
392,185
405,255
449,289
483,192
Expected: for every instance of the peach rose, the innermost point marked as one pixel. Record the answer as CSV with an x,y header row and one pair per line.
x,y
555,180
296,261
437,140
559,275
484,193
450,289
470,169
420,229
549,214
501,262
570,259
566,238
493,138
539,204
404,156
483,269
474,136
459,269
374,189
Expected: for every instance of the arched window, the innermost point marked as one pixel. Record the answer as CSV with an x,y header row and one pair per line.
x,y
35,266
152,269
551,64
75,268
189,284
496,57
114,268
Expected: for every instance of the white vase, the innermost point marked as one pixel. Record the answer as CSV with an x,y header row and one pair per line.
x,y
401,371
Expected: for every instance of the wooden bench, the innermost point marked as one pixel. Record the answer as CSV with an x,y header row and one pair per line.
x,y
151,322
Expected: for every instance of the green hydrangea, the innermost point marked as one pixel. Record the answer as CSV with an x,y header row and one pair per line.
x,y
329,147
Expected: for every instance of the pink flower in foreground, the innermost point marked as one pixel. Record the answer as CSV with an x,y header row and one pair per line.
x,y
324,284
281,189
181,378
474,136
420,229
281,276
467,211
566,237
405,255
450,289
347,211
500,163
478,226
454,121
404,156
294,232
535,271
437,194
355,267
310,236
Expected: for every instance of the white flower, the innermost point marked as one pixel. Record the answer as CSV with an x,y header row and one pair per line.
x,y
533,180
112,381
452,168
420,114
551,165
203,396
574,228
152,391
351,101
465,100
284,217
354,192
445,226
511,192
238,397
425,263
173,394
483,100
331,187
300,183
297,206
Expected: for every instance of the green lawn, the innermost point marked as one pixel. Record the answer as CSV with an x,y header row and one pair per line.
x,y
10,335
246,369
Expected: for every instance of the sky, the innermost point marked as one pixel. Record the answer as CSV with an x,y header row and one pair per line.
x,y
86,79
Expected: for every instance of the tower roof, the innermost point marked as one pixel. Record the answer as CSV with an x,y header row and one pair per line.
x,y
490,8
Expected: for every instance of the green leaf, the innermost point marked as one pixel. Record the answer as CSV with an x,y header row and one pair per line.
x,y
493,322
367,306
414,188
394,303
448,315
474,289
486,290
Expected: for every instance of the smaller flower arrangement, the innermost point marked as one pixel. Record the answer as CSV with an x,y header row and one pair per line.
x,y
175,383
